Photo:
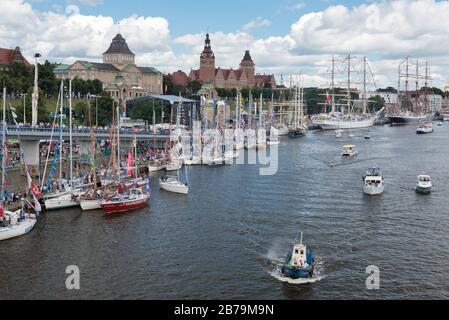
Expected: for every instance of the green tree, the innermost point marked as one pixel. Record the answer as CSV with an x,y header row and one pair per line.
x,y
143,110
194,86
377,103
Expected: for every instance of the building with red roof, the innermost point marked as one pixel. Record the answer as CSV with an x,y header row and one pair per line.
x,y
10,56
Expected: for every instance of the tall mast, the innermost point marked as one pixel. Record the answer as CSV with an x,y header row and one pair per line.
x,y
364,85
333,84
4,150
406,84
92,149
417,85
399,102
61,144
260,110
118,142
70,132
250,109
425,87
349,83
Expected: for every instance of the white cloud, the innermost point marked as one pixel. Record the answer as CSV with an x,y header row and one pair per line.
x,y
385,31
296,6
259,22
91,3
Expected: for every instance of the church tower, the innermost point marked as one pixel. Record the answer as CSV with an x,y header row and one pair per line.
x,y
247,65
207,63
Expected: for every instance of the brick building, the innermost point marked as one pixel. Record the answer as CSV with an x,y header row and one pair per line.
x,y
10,56
243,77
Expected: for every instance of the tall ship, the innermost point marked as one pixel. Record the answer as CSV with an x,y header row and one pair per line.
x,y
348,109
412,105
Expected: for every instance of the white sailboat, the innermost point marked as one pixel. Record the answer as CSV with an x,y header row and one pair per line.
x,y
173,184
12,224
348,118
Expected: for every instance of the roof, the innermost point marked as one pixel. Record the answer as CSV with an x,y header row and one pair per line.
x,y
98,65
9,56
180,78
62,68
148,70
118,46
247,56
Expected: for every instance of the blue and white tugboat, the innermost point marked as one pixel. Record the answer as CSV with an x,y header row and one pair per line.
x,y
299,262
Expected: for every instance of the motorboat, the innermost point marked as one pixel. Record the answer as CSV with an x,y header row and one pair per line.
x,y
373,181
15,224
423,184
133,199
299,262
425,128
349,150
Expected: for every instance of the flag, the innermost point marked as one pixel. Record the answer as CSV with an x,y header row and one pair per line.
x,y
328,98
37,206
1,210
130,163
32,186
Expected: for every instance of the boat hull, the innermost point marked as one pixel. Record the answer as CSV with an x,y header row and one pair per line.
x,y
90,205
297,273
117,207
17,230
423,190
345,124
372,190
403,120
297,133
60,203
181,189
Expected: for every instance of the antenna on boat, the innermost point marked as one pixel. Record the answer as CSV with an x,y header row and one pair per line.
x,y
300,241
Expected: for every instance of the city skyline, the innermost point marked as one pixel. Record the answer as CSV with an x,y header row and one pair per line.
x,y
284,37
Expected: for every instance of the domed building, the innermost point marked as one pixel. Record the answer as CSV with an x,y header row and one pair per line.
x,y
118,72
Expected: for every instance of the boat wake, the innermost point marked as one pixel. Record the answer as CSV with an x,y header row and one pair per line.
x,y
276,273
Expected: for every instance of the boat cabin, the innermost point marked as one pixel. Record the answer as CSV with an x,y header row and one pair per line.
x,y
349,150
299,255
423,179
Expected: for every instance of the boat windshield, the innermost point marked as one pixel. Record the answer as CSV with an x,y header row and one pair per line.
x,y
374,171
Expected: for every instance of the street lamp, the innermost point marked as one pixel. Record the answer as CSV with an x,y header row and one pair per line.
x,y
24,111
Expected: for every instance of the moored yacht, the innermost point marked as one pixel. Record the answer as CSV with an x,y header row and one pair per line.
x,y
424,128
423,184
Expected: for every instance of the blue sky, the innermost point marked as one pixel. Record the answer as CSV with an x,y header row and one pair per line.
x,y
193,16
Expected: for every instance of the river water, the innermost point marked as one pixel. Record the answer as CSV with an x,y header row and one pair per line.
x,y
225,239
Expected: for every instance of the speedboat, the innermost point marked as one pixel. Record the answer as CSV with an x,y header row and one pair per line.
x,y
440,124
349,151
172,184
368,136
425,128
16,224
373,182
299,262
423,184
133,199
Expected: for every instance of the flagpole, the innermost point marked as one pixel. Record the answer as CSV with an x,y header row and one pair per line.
x,y
70,132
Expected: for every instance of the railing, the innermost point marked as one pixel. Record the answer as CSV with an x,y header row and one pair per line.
x,y
78,131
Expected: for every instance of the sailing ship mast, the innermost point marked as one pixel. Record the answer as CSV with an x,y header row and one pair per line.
x,y
118,142
70,132
61,143
4,150
92,150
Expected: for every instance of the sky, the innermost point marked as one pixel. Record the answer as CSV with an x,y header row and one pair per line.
x,y
285,37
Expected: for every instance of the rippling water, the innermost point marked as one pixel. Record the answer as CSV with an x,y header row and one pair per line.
x,y
225,238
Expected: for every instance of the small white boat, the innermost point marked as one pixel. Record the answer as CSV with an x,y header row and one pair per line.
x,y
423,184
15,226
368,135
66,201
172,184
273,142
338,133
155,166
425,128
349,151
283,130
173,166
373,182
440,124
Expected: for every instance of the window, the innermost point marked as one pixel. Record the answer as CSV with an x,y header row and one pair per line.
x,y
296,251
